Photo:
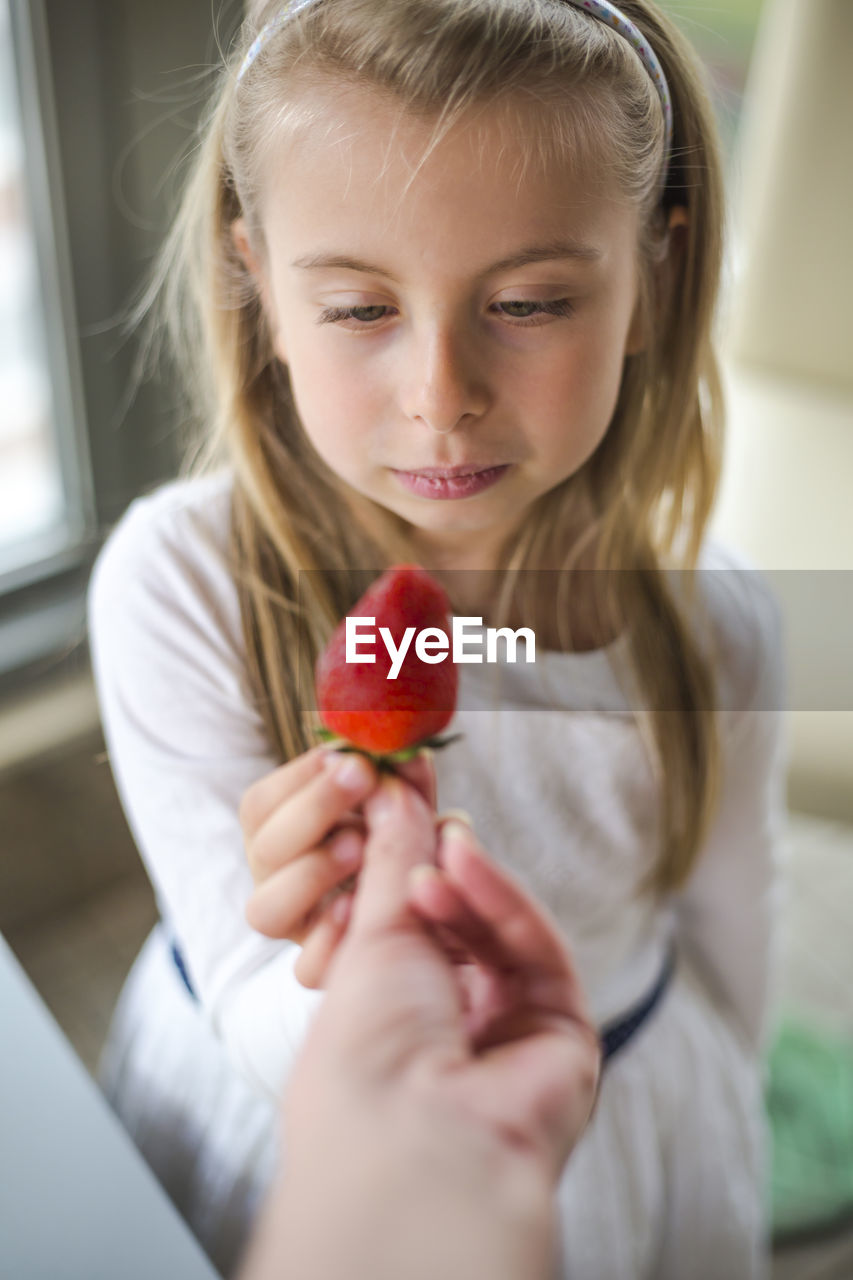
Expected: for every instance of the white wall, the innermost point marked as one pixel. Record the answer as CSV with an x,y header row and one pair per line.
x,y
787,495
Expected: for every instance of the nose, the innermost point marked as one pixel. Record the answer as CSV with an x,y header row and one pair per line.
x,y
446,384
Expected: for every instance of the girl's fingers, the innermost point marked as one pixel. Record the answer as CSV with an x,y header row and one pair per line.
x,y
264,796
280,906
304,820
322,941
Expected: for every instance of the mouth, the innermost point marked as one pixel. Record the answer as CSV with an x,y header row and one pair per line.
x,y
450,473
463,481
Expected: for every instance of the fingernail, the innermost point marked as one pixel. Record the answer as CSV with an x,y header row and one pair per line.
x,y
423,873
383,803
456,830
351,772
456,815
346,848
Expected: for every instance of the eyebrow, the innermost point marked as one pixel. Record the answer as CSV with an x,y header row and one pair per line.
x,y
554,252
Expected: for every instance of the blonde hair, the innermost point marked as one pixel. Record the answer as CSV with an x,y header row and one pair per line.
x,y
650,484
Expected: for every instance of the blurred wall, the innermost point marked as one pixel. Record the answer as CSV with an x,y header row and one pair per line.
x,y
787,495
795,302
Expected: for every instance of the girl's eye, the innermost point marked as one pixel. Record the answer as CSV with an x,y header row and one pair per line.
x,y
524,312
362,315
534,311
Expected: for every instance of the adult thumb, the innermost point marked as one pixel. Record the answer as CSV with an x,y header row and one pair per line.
x,y
420,772
400,835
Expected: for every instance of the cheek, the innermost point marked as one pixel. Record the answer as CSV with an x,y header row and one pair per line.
x,y
600,380
326,371
318,389
337,408
579,396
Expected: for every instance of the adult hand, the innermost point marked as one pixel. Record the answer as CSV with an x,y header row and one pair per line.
x,y
503,1041
433,1105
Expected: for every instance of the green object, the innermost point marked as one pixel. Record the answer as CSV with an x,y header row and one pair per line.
x,y
387,761
809,1101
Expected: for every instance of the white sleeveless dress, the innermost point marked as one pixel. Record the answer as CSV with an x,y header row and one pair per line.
x,y
668,1182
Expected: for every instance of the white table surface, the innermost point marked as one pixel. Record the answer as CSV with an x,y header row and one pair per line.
x,y
77,1202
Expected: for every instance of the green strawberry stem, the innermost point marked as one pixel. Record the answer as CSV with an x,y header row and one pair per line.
x,y
386,761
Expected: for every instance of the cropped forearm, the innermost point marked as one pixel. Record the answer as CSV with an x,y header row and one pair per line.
x,y
415,1205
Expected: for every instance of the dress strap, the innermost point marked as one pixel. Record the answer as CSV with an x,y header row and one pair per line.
x,y
180,965
615,1034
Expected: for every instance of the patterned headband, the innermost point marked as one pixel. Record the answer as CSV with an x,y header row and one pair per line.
x,y
601,9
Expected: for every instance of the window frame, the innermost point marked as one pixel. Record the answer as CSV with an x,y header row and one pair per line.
x,y
100,76
62,548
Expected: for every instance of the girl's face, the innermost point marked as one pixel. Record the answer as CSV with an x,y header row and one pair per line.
x,y
454,328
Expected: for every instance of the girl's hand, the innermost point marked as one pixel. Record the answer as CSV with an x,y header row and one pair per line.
x,y
304,834
289,818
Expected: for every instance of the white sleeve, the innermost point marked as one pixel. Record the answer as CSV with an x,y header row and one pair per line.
x,y
185,742
727,914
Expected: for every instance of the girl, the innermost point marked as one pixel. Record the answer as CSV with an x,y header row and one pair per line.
x,y
445,276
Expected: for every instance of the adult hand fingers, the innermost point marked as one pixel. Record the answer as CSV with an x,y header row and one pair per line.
x,y
489,990
279,907
537,1055
503,926
307,815
400,835
437,900
420,773
540,1080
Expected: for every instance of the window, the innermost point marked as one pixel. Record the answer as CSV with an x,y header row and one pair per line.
x,y
90,135
44,507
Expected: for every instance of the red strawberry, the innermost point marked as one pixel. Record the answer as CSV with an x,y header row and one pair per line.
x,y
380,716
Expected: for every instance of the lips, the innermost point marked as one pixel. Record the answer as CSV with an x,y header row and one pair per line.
x,y
442,483
449,473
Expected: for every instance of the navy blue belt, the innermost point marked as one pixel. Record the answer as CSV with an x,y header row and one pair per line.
x,y
182,969
614,1035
